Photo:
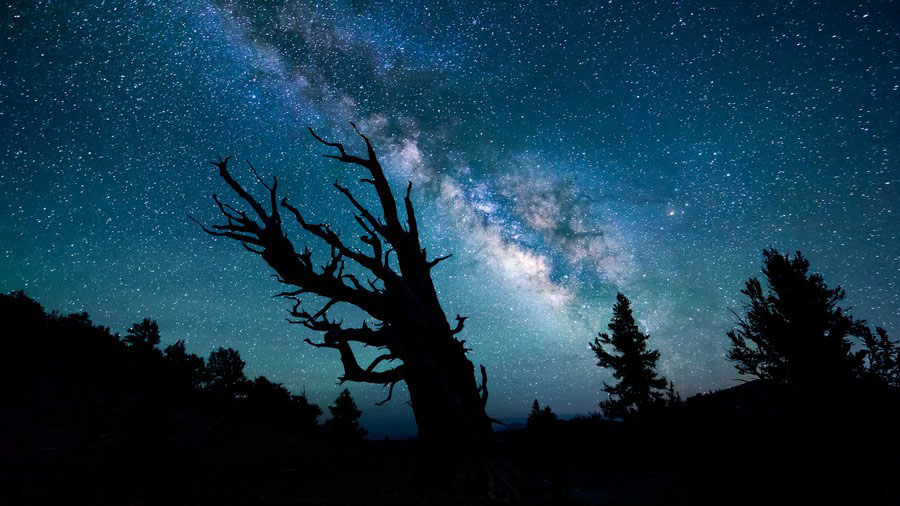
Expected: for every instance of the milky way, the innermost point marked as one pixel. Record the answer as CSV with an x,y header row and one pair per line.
x,y
562,151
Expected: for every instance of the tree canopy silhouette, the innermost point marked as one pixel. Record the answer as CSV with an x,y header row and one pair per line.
x,y
882,357
639,386
225,372
795,333
143,335
304,414
541,420
673,398
344,421
188,368
397,292
271,403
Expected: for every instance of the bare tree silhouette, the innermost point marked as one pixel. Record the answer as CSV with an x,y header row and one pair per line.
x,y
410,324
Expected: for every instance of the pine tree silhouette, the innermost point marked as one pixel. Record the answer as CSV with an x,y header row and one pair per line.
x,y
344,421
673,398
143,335
535,411
882,357
632,363
541,420
795,333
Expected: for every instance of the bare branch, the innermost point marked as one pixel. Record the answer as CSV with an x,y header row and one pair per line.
x,y
390,394
346,158
294,268
392,226
379,359
251,250
460,323
253,169
230,212
362,210
290,294
325,233
355,282
222,165
371,150
318,345
438,260
230,235
411,218
387,258
340,340
318,321
273,188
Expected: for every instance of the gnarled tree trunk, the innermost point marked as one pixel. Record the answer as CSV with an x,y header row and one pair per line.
x,y
398,294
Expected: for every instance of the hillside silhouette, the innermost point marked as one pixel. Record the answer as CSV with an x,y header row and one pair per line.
x,y
91,417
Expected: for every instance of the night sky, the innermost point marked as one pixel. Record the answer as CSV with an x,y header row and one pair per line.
x,y
562,151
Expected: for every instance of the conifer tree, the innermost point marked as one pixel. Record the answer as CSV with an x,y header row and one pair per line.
x,y
673,398
535,412
143,335
882,357
344,422
541,419
795,333
633,365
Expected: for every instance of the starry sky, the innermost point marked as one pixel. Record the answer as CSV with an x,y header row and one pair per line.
x,y
563,151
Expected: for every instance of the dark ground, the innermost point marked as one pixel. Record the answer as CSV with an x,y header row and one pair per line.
x,y
84,445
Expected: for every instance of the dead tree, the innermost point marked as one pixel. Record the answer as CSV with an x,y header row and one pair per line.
x,y
398,294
